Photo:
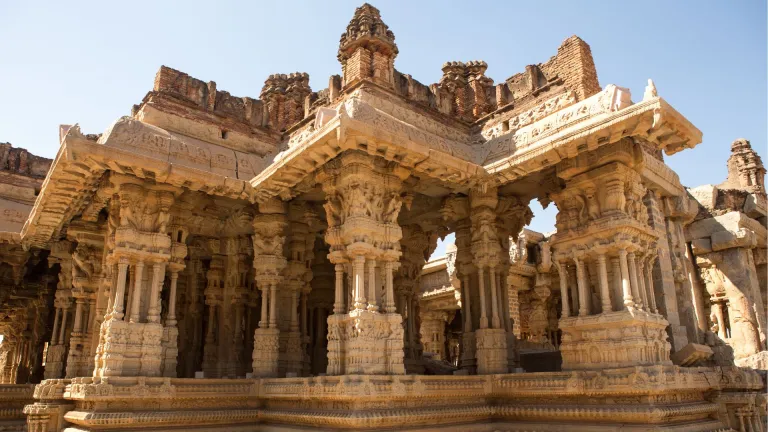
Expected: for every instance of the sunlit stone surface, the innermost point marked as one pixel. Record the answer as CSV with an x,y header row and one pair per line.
x,y
214,262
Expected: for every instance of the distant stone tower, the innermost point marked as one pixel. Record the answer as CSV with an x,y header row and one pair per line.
x,y
367,49
745,168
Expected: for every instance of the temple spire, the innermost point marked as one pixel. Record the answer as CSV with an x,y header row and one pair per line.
x,y
367,49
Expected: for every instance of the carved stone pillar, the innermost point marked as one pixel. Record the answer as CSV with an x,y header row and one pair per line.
x,y
76,346
669,274
616,284
170,338
209,347
268,263
491,343
641,284
605,292
602,216
61,254
514,303
137,233
582,286
171,334
633,280
300,243
563,273
86,280
362,205
415,246
626,289
649,284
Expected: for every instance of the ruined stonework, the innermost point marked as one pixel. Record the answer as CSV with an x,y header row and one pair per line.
x,y
727,258
222,263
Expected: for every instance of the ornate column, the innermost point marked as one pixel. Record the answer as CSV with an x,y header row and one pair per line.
x,y
629,300
138,233
633,280
491,343
268,262
61,254
649,284
358,282
137,277
495,322
582,286
214,298
389,268
158,275
641,284
605,293
616,285
117,304
338,305
483,302
563,273
86,279
57,315
171,319
602,214
170,338
514,303
363,201
297,275
372,306
75,355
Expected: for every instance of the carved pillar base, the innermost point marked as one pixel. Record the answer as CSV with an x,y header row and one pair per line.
x,y
54,363
614,340
47,413
170,351
151,349
292,357
110,354
366,343
468,358
266,352
129,349
491,351
78,361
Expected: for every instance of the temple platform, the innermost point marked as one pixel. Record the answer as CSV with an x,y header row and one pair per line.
x,y
660,397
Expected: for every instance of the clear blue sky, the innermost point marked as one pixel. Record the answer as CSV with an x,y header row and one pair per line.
x,y
89,62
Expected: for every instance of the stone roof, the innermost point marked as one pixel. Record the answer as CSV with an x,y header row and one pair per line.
x,y
453,134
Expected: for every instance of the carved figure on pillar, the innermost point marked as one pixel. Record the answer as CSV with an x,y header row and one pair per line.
x,y
601,218
268,263
133,346
363,200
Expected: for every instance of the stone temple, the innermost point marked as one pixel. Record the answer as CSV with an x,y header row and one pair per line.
x,y
222,263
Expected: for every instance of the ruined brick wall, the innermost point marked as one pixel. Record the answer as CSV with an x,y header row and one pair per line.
x,y
575,66
205,97
20,161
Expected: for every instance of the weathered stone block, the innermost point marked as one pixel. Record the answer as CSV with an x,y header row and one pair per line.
x,y
706,195
755,206
733,239
701,246
691,354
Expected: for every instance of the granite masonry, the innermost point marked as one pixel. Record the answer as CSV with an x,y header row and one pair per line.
x,y
223,263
